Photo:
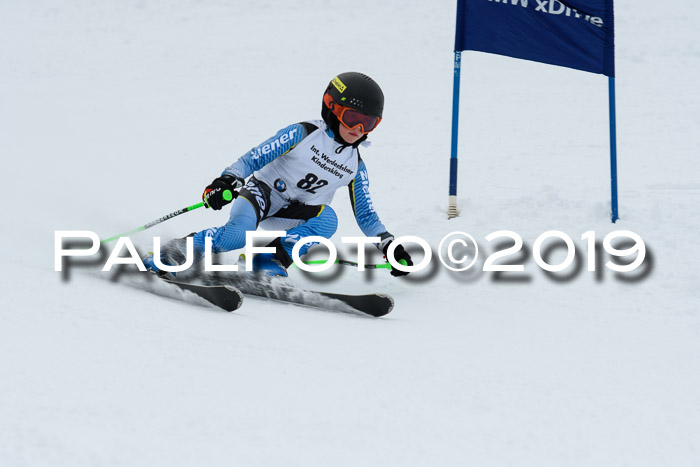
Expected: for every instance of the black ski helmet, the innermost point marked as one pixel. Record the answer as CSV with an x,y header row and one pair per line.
x,y
357,91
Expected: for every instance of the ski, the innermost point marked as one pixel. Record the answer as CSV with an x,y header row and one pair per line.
x,y
376,304
224,296
371,304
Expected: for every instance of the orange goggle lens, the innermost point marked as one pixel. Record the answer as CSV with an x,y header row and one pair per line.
x,y
351,118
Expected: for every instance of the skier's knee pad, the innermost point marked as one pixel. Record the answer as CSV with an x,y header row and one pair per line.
x,y
232,235
326,223
229,237
226,238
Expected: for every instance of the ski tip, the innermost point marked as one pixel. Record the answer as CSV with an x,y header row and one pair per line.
x,y
389,301
237,304
375,305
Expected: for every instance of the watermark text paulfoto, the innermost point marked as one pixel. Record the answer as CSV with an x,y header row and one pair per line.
x,y
457,251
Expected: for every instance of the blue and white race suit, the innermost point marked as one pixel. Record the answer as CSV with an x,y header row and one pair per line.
x,y
295,175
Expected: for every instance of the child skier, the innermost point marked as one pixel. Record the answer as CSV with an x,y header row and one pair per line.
x,y
293,178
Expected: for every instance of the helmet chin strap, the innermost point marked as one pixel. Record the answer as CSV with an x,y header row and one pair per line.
x,y
332,122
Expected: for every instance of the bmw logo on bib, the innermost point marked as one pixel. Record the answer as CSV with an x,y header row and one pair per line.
x,y
280,185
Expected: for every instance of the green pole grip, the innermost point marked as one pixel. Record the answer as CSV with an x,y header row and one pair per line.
x,y
228,196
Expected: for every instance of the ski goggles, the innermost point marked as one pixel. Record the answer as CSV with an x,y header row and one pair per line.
x,y
351,118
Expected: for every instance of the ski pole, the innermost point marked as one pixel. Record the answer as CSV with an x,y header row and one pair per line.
x,y
228,196
354,264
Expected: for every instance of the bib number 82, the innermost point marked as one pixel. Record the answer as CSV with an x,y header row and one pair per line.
x,y
311,183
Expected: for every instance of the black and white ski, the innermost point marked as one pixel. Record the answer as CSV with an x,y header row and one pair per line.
x,y
224,296
227,291
376,304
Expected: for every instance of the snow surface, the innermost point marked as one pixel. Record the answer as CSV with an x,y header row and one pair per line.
x,y
116,113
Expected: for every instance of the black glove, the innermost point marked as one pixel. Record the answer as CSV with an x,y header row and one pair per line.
x,y
215,195
399,254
